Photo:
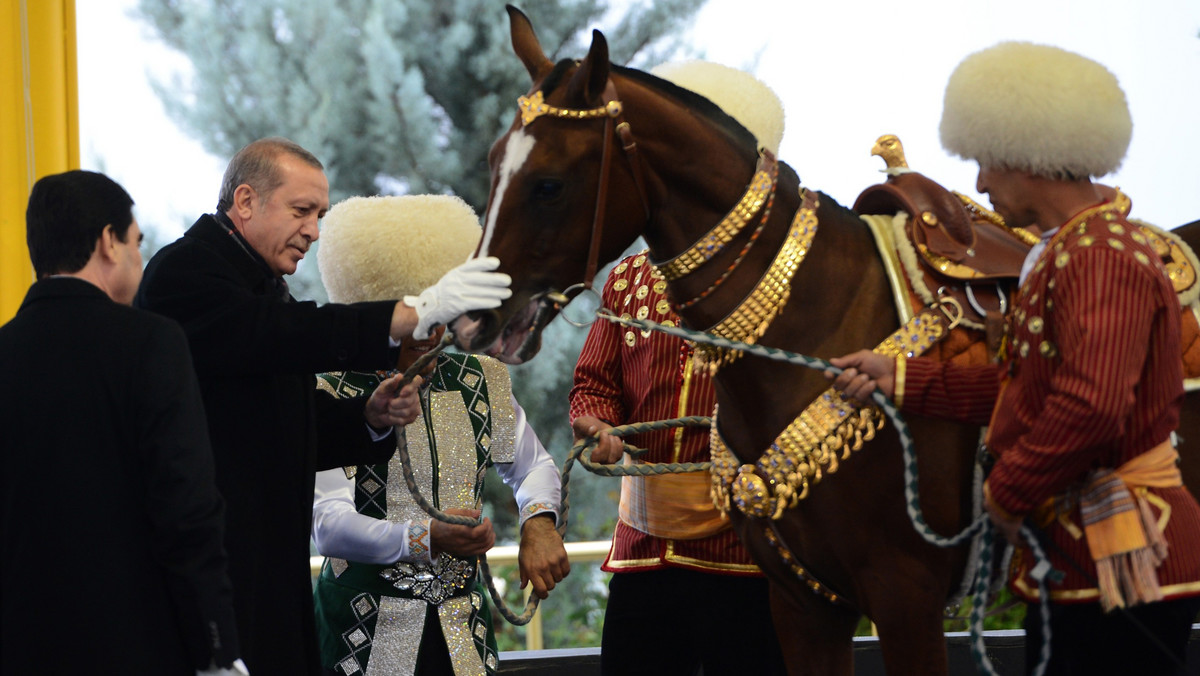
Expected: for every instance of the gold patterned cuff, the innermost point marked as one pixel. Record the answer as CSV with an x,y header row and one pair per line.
x,y
419,545
898,384
536,508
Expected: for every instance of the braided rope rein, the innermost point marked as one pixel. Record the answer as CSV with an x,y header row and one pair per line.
x,y
581,451
410,481
577,452
982,525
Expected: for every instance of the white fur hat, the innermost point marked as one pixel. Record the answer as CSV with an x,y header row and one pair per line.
x,y
379,248
742,96
1036,108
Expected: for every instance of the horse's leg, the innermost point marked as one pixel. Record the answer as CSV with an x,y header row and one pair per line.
x,y
905,602
815,635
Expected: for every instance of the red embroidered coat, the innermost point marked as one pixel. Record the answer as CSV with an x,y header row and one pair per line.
x,y
629,376
1093,378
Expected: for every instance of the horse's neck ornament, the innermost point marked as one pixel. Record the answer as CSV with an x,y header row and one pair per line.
x,y
750,319
809,447
758,194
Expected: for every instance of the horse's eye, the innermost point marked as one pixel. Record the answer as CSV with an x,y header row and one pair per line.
x,y
547,189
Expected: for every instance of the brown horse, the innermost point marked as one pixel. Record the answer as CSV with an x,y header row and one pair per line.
x,y
1189,418
572,189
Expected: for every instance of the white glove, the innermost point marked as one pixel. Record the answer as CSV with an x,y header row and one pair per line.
x,y
470,286
238,668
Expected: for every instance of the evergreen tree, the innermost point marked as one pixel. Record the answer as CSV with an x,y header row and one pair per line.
x,y
394,97
407,97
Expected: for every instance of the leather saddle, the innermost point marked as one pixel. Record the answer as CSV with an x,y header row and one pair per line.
x,y
963,250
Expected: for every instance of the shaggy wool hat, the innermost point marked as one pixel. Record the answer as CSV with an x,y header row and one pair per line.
x,y
742,96
1036,108
379,248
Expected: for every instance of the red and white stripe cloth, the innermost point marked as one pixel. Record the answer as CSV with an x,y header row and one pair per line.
x,y
1092,379
628,376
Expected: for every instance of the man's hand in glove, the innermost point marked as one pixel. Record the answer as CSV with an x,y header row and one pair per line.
x,y
471,286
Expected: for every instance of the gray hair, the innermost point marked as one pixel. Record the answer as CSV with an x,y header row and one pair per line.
x,y
257,165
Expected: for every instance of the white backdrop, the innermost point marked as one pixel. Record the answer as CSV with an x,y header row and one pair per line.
x,y
846,70
852,70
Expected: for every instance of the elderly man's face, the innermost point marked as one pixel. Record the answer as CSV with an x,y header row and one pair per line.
x,y
1010,191
282,224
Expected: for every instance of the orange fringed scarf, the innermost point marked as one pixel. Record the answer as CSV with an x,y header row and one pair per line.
x,y
1124,538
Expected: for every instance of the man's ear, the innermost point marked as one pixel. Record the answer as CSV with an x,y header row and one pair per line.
x,y
106,245
243,201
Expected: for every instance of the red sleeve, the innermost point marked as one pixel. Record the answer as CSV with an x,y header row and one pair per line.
x,y
1104,307
945,390
598,383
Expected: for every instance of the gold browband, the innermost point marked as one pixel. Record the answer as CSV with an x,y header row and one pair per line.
x,y
533,107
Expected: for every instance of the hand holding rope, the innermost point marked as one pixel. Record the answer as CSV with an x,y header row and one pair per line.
x,y
410,481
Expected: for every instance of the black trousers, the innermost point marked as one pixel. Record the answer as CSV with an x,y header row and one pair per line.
x,y
672,622
1148,640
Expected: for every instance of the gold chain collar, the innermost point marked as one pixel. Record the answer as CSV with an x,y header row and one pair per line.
x,y
809,447
750,319
762,184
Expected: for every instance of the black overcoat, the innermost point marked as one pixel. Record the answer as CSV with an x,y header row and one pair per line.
x,y
256,353
110,521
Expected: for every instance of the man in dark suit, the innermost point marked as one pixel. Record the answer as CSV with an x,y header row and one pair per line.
x,y
110,519
256,353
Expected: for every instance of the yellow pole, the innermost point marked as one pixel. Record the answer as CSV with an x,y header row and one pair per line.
x,y
39,122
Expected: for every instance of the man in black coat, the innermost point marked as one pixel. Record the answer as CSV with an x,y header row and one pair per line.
x,y
256,351
110,519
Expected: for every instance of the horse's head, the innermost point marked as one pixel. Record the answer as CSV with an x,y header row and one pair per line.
x,y
564,195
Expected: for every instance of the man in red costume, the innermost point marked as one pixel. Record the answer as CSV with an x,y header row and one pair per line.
x,y
710,604
1085,399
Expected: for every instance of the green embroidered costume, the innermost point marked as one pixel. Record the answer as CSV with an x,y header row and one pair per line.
x,y
373,618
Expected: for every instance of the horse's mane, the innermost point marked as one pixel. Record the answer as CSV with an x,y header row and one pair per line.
x,y
694,101
684,97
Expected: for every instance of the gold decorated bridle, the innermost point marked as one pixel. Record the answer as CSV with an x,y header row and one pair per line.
x,y
533,107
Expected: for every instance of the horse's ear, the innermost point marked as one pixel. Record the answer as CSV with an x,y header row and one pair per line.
x,y
526,45
592,77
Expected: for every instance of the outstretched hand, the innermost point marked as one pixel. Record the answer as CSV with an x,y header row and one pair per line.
x,y
474,285
542,558
863,372
608,448
238,668
391,405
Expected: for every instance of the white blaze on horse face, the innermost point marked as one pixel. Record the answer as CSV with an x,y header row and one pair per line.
x,y
516,151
